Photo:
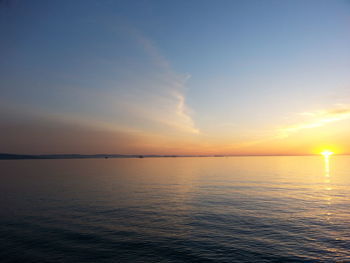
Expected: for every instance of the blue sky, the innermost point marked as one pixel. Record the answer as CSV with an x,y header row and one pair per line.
x,y
174,76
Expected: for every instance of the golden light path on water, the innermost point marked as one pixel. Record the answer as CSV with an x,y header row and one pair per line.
x,y
326,154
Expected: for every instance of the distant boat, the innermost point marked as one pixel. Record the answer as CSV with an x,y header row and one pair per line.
x,y
141,156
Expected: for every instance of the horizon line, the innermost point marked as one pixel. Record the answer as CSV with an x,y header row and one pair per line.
x,y
15,156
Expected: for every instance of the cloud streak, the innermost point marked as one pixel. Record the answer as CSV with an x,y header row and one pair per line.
x,y
317,119
165,96
312,120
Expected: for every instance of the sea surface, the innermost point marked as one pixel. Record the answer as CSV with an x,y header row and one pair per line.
x,y
223,209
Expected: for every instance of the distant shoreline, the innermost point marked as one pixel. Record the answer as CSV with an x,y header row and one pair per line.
x,y
7,156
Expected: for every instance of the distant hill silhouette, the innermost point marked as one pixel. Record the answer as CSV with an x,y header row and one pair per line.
x,y
8,156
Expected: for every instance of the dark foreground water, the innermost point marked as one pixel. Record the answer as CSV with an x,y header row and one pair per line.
x,y
237,209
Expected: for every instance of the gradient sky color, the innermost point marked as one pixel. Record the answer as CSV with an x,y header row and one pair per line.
x,y
175,77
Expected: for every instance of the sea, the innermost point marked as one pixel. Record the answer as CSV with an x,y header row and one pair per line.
x,y
184,209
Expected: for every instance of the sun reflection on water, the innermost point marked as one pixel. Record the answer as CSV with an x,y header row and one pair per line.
x,y
327,180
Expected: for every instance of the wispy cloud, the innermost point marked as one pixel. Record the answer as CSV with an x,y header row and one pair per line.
x,y
317,119
168,91
145,94
151,49
183,121
311,119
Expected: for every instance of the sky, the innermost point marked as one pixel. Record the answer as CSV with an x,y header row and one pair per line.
x,y
175,77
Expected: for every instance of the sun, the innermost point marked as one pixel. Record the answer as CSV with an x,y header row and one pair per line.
x,y
326,153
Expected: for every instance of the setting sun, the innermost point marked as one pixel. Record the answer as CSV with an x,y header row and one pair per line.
x,y
326,153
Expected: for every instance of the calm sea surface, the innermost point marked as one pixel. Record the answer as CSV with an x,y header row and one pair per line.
x,y
231,209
